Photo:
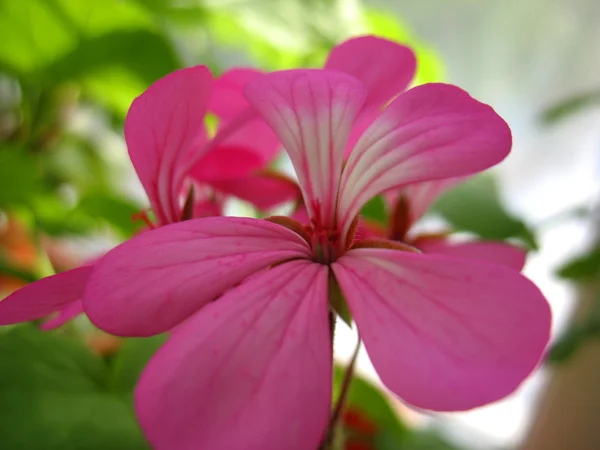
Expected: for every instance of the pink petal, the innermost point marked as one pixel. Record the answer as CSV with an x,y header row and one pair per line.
x,y
229,105
385,67
252,134
227,100
251,371
496,252
45,296
263,189
157,279
301,215
226,163
165,131
369,229
444,333
66,314
312,112
208,208
430,132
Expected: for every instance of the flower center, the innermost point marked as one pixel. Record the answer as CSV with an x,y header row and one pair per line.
x,y
325,244
324,237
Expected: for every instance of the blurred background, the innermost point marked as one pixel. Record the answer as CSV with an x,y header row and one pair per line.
x,y
69,70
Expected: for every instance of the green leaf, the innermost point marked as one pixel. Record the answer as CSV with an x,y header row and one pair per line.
x,y
427,440
58,421
116,67
475,206
131,360
39,31
35,33
116,211
376,210
367,399
53,396
6,268
583,266
570,106
142,52
76,160
54,216
19,177
36,360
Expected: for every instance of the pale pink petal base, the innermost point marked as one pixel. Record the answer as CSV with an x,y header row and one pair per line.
x,y
444,333
312,112
45,296
251,371
497,252
157,279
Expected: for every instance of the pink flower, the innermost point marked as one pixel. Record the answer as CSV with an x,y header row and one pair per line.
x,y
168,142
253,369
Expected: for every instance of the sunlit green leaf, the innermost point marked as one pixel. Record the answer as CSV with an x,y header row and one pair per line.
x,y
41,30
114,49
475,206
35,33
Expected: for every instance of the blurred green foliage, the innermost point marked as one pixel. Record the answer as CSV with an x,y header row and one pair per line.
x,y
576,336
570,106
129,362
475,206
376,210
583,267
54,394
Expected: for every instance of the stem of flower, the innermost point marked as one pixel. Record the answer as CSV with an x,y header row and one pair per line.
x,y
332,318
341,401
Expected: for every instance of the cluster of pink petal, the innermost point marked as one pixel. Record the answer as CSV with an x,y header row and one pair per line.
x,y
248,363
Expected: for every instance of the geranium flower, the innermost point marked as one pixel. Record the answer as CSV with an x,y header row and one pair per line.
x,y
253,369
172,153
